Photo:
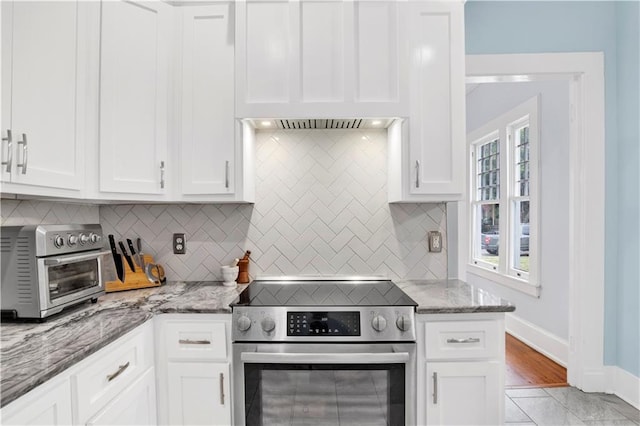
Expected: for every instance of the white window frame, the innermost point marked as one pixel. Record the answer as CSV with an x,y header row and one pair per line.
x,y
504,126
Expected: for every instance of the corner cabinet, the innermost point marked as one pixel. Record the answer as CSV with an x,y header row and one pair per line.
x,y
427,152
194,369
461,369
315,59
134,79
45,65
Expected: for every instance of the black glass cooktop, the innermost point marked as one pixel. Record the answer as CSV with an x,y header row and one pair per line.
x,y
323,293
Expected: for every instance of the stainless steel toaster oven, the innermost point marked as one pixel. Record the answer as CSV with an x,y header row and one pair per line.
x,y
46,268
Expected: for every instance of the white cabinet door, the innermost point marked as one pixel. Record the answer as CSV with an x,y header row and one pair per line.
x,y
133,96
199,394
136,405
49,404
463,393
436,161
43,93
208,119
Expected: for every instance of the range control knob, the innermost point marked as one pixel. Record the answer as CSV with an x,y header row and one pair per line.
x,y
379,323
94,238
403,323
268,324
84,239
244,323
72,240
58,241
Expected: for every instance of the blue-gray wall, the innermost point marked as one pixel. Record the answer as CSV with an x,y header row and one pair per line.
x,y
586,26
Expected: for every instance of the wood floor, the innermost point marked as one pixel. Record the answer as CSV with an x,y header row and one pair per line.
x,y
527,368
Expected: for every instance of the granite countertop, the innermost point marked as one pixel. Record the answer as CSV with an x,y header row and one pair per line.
x,y
452,297
32,353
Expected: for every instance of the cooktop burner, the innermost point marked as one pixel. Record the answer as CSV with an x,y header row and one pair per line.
x,y
324,293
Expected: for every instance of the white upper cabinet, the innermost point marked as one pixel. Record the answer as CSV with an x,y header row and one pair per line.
x,y
208,124
135,43
320,59
427,158
44,69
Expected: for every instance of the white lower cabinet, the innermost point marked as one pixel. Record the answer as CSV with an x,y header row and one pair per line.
x,y
48,404
199,393
461,368
193,358
136,405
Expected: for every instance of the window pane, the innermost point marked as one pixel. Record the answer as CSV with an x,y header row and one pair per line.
x,y
488,172
521,157
486,233
520,232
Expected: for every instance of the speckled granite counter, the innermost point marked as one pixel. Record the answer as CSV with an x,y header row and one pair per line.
x,y
32,353
452,297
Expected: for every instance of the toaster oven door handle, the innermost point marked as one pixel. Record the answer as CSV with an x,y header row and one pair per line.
x,y
325,358
75,258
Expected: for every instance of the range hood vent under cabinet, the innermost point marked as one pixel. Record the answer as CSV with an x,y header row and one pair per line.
x,y
322,123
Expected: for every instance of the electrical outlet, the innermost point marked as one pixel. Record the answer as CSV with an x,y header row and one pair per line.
x,y
179,244
435,242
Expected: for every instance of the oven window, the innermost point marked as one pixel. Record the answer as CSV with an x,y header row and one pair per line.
x,y
72,277
324,394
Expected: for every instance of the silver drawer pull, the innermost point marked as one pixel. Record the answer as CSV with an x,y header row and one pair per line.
x,y
194,342
467,340
221,388
110,377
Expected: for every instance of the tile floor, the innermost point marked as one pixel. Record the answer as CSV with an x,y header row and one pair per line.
x,y
566,406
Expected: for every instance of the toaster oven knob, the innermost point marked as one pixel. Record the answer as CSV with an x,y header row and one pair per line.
x,y
244,323
73,240
94,238
268,324
403,323
58,241
84,239
379,323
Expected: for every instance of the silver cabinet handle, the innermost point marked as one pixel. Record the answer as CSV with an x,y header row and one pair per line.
x,y
162,175
9,140
417,173
226,174
221,388
112,376
435,388
194,342
25,152
467,340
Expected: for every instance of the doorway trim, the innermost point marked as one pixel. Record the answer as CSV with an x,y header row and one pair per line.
x,y
585,73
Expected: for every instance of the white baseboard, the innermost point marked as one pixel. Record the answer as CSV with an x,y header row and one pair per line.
x,y
623,384
539,339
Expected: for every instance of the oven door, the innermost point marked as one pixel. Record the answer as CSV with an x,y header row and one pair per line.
x,y
66,279
324,384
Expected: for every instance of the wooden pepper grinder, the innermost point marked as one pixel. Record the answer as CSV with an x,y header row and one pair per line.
x,y
243,269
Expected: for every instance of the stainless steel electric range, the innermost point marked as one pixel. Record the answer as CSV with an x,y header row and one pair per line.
x,y
324,351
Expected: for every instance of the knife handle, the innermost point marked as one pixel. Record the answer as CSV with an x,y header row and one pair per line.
x,y
131,248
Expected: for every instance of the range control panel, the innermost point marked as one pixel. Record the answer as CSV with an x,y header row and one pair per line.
x,y
333,323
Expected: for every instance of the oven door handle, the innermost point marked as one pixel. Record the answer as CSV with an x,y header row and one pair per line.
x,y
325,358
75,258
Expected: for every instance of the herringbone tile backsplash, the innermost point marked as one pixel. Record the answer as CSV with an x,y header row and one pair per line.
x,y
29,212
321,208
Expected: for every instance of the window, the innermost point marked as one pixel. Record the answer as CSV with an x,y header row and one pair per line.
x,y
503,198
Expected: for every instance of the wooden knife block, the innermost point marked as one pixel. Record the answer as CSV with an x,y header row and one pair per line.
x,y
132,280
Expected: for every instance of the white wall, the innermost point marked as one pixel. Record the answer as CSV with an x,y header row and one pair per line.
x,y
487,101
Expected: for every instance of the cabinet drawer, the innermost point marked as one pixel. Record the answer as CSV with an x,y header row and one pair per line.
x,y
463,339
196,340
111,371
